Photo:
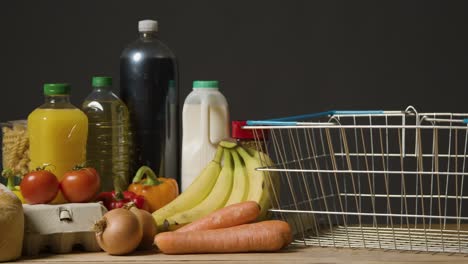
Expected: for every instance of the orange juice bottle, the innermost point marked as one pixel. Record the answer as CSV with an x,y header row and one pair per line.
x,y
57,133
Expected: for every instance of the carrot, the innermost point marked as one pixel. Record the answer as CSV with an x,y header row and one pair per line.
x,y
258,237
232,215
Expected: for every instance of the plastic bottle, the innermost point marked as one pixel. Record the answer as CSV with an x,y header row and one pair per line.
x,y
205,122
148,85
57,133
108,135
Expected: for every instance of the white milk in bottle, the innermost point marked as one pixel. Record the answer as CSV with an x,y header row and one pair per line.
x,y
205,122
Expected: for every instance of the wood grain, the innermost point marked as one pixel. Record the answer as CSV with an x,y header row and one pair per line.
x,y
290,255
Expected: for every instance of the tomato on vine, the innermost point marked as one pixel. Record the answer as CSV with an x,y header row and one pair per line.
x,y
39,186
80,184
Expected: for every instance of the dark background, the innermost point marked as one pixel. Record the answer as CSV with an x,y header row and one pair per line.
x,y
273,58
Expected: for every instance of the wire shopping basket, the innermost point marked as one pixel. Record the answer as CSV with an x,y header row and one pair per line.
x,y
370,179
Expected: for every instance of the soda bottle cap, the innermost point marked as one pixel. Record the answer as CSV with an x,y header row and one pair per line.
x,y
206,84
56,88
101,81
147,25
238,132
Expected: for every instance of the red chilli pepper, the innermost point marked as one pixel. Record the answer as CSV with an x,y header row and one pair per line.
x,y
113,200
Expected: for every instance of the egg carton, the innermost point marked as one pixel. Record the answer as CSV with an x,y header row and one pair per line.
x,y
61,228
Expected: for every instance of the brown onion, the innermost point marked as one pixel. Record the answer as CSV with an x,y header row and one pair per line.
x,y
118,232
147,225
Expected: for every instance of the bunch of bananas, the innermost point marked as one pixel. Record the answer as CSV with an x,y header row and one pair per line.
x,y
219,186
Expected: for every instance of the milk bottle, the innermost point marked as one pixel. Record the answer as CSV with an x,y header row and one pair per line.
x,y
205,122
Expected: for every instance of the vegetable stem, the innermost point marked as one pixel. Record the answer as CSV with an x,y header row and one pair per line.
x,y
151,178
242,152
228,144
100,225
118,188
44,166
8,173
219,154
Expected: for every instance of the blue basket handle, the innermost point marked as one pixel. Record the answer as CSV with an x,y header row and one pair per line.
x,y
270,123
292,120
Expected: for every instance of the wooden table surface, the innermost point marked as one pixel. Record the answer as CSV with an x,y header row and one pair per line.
x,y
290,255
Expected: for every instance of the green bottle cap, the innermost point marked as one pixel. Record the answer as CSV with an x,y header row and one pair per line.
x,y
205,84
171,84
56,88
101,81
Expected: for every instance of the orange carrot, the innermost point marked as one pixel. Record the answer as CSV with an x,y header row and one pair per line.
x,y
232,215
258,237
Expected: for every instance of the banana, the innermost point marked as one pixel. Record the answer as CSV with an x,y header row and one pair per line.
x,y
195,193
260,187
228,144
240,185
214,201
273,176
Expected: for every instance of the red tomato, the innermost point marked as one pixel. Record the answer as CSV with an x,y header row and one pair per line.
x,y
39,187
80,185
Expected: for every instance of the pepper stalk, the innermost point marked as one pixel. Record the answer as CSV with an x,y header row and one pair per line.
x,y
118,187
151,178
10,175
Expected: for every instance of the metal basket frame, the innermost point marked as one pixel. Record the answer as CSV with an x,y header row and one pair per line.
x,y
370,179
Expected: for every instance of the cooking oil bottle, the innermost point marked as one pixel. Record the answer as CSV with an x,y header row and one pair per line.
x,y
108,142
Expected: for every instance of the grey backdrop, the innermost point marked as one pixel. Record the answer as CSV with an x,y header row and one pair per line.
x,y
273,58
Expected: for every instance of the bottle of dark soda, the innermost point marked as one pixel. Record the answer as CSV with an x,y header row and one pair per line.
x,y
148,85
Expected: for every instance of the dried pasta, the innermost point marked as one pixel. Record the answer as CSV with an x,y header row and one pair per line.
x,y
15,145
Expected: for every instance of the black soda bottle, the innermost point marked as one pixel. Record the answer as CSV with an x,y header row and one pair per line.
x,y
148,85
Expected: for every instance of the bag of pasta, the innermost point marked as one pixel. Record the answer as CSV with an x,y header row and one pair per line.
x,y
15,152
